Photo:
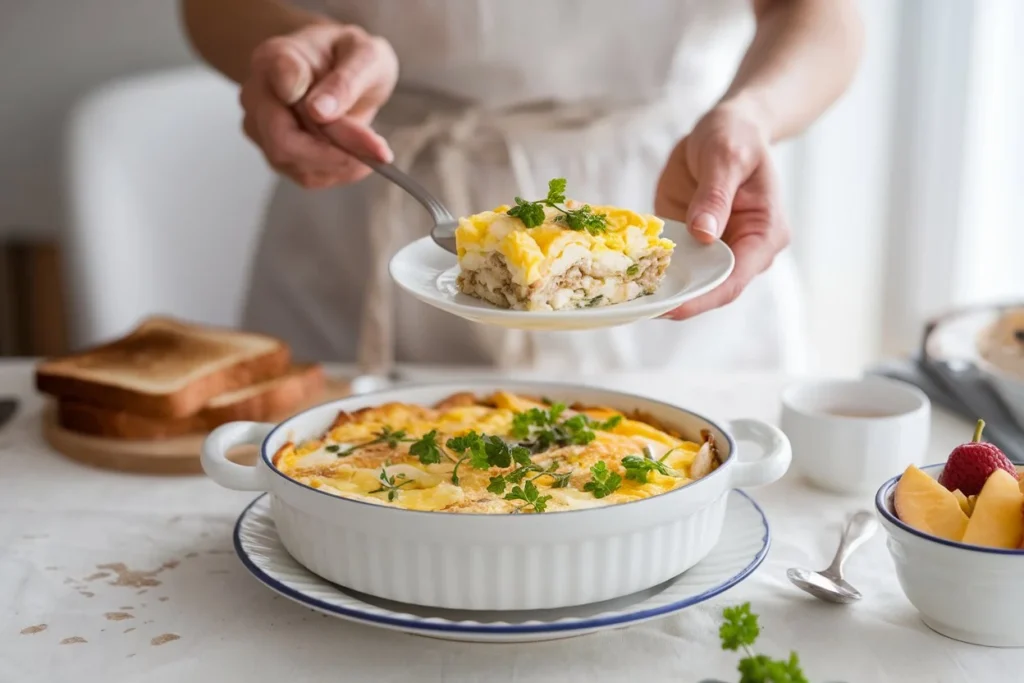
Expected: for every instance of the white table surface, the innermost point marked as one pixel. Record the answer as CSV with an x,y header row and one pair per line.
x,y
60,521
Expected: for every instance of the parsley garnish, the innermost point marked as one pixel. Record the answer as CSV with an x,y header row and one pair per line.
x,y
427,449
539,429
468,446
532,213
739,630
559,480
603,481
485,451
529,494
638,467
390,485
386,435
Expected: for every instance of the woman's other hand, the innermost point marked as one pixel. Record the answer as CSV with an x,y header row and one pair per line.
x,y
719,180
325,75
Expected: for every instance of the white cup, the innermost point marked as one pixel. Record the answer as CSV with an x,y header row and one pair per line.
x,y
848,436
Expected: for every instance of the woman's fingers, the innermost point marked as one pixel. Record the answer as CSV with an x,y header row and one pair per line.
x,y
359,138
285,70
360,74
719,174
754,253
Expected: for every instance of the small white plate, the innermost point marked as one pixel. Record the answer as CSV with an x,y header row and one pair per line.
x,y
741,549
428,272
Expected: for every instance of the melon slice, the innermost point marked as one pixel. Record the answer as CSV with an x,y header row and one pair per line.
x,y
928,506
963,501
997,520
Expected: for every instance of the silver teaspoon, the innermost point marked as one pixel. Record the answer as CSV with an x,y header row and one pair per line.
x,y
829,584
443,232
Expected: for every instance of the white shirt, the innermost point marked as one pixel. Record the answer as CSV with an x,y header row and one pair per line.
x,y
612,87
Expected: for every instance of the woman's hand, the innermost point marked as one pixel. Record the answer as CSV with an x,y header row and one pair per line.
x,y
720,181
325,76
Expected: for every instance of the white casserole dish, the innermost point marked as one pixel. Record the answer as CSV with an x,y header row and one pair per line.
x,y
497,562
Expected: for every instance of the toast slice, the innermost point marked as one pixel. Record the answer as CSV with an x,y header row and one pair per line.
x,y
164,368
267,400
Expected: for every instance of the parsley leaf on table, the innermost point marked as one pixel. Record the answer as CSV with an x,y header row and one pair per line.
x,y
603,481
740,629
764,669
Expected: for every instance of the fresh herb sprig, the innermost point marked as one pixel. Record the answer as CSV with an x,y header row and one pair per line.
x,y
603,482
539,429
425,448
530,495
638,467
500,482
392,484
532,213
484,451
739,630
386,435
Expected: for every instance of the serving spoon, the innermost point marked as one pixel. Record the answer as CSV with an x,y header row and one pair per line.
x,y
829,584
443,232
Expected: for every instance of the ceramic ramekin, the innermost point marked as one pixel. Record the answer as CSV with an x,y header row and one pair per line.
x,y
497,562
966,592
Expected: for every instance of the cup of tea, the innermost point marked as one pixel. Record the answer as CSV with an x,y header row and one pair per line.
x,y
850,435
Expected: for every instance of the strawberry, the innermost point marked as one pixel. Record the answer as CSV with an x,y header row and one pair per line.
x,y
969,465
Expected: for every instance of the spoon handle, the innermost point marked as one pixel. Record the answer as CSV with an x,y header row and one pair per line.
x,y
860,528
438,211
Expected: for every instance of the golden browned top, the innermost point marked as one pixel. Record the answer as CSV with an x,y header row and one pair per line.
x,y
502,453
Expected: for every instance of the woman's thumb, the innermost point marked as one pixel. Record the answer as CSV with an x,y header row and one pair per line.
x,y
288,74
712,201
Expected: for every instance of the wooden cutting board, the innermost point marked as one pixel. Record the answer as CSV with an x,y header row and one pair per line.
x,y
177,455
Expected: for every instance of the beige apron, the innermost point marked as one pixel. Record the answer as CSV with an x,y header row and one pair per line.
x,y
495,99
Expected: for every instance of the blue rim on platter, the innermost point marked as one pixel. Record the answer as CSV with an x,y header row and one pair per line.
x,y
428,625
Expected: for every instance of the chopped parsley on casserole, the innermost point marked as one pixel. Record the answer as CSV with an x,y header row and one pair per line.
x,y
501,454
556,254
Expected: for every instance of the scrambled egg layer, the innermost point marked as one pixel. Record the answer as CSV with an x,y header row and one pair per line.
x,y
531,253
323,463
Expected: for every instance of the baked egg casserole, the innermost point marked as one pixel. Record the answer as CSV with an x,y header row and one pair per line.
x,y
500,454
557,254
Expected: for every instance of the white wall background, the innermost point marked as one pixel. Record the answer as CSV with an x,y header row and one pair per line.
x,y
52,52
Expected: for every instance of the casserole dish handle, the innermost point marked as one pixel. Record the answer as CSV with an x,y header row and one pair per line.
x,y
215,455
776,453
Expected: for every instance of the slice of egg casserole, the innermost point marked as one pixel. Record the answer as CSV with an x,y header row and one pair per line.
x,y
501,454
559,254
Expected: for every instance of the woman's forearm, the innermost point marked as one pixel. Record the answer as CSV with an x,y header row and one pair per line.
x,y
803,56
225,32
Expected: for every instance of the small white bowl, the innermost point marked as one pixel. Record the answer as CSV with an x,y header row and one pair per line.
x,y
849,434
965,592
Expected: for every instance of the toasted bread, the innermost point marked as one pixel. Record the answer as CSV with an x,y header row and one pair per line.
x,y
265,400
164,368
